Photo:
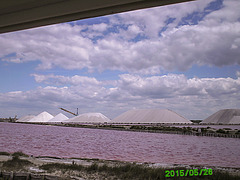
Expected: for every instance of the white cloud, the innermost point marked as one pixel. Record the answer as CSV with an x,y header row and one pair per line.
x,y
178,85
214,41
56,45
238,74
117,45
40,78
193,98
229,13
151,21
99,27
63,80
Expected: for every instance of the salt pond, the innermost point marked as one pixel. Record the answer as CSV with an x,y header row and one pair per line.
x,y
40,140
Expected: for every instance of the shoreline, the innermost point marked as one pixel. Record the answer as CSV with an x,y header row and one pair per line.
x,y
153,128
35,168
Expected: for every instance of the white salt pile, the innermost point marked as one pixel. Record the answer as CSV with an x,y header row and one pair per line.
x,y
42,117
89,118
235,120
25,118
150,116
59,118
224,116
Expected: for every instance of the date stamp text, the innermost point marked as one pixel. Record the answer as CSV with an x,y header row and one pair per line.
x,y
188,172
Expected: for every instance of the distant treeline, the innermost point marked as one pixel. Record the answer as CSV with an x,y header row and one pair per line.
x,y
10,119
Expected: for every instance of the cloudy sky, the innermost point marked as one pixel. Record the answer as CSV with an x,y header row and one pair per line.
x,y
183,57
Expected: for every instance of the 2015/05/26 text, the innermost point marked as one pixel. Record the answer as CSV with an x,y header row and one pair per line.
x,y
188,172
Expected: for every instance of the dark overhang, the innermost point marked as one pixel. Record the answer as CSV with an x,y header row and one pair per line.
x,y
23,14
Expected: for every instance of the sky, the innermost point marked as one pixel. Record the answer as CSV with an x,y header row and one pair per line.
x,y
183,57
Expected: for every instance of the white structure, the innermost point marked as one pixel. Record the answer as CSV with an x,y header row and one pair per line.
x,y
224,116
42,117
25,118
89,118
59,118
150,116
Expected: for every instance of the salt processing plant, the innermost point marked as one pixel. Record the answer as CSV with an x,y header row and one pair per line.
x,y
136,116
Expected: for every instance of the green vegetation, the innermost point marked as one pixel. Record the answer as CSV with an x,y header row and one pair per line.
x,y
55,166
127,171
165,128
159,128
113,126
217,174
106,169
204,130
4,153
16,163
221,131
131,171
19,153
227,128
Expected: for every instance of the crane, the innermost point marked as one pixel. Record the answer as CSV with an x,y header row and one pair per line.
x,y
70,111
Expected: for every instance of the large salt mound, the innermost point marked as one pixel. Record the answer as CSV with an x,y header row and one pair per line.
x,y
25,118
89,118
224,116
59,118
150,116
42,117
235,120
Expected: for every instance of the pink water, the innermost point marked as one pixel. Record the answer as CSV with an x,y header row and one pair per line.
x,y
40,140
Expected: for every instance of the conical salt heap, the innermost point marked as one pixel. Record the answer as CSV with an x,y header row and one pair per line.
x,y
224,116
150,116
42,117
59,118
25,118
89,118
